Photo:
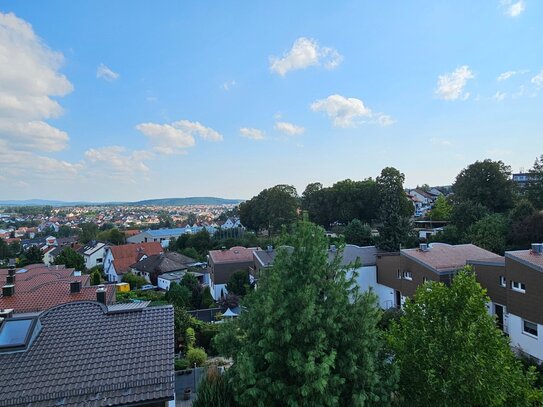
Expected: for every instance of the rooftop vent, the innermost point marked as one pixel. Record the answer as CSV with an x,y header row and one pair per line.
x,y
10,280
423,247
537,248
8,290
75,287
6,313
101,294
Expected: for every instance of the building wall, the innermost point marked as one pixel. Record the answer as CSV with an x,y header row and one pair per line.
x,y
221,272
109,268
525,342
489,278
367,279
528,305
92,260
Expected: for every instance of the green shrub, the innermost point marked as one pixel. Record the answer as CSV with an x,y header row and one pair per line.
x,y
196,355
214,390
181,364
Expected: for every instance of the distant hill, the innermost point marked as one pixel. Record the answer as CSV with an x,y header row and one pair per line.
x,y
195,200
148,202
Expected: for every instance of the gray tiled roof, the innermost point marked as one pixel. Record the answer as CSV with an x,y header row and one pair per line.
x,y
86,357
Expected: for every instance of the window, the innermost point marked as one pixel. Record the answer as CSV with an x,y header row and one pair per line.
x,y
529,328
520,287
399,275
407,275
503,281
424,280
99,260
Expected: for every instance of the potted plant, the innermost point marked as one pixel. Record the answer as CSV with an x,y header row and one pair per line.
x,y
186,393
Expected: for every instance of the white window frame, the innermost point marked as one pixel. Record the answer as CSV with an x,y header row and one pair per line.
x,y
518,286
503,281
524,321
407,275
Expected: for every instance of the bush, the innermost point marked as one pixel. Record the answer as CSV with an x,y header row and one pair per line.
x,y
214,390
196,355
134,281
181,364
206,335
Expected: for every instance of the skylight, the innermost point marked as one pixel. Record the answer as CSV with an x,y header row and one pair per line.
x,y
15,332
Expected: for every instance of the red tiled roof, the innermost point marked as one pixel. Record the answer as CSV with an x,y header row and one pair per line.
x,y
131,232
235,254
41,287
50,295
443,257
127,254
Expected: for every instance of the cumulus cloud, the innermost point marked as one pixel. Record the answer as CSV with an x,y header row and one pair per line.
x,y
385,120
343,111
499,96
117,162
29,82
305,52
512,8
508,74
228,85
289,128
451,86
253,134
538,79
176,137
104,72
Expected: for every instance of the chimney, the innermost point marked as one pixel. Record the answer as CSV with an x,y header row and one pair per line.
x,y
11,271
423,247
10,280
101,294
75,287
537,248
270,248
8,290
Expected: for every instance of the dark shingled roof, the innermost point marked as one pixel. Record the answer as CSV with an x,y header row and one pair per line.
x,y
84,356
164,263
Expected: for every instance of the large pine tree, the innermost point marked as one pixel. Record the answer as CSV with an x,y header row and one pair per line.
x,y
308,337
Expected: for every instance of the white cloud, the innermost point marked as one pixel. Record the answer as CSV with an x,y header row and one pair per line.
x,y
305,52
440,141
451,86
385,120
289,128
228,85
118,163
104,72
499,96
29,79
508,74
176,137
343,111
512,8
538,79
254,134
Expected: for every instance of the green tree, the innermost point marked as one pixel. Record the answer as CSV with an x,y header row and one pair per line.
x,y
487,183
89,231
196,356
490,233
32,256
534,188
178,295
96,277
526,231
358,233
442,209
466,213
65,231
451,353
523,208
238,283
270,209
71,259
134,281
297,346
396,229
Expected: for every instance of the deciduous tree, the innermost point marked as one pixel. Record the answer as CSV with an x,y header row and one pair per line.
x,y
451,353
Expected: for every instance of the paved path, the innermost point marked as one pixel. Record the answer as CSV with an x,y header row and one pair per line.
x,y
184,381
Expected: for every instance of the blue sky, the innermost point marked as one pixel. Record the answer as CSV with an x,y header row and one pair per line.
x,y
127,100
